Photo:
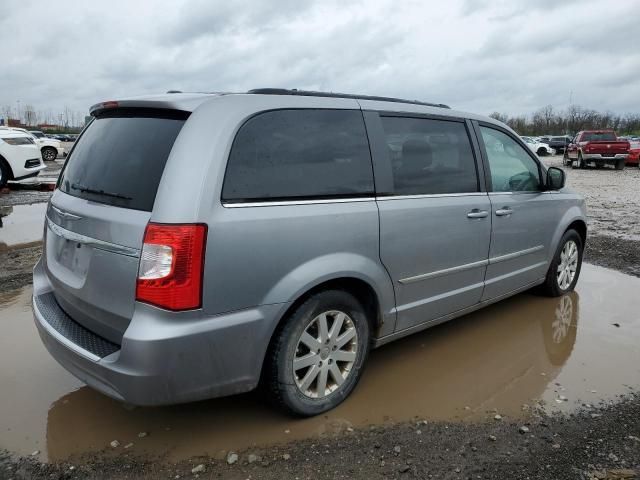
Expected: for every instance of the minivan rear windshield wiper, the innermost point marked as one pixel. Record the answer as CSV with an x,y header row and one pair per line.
x,y
82,188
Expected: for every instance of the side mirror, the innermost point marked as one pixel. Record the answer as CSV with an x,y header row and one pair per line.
x,y
556,178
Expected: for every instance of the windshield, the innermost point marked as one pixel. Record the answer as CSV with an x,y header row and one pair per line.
x,y
119,158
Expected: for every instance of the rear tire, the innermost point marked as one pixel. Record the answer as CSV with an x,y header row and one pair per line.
x,y
49,154
314,387
564,270
542,152
4,174
581,163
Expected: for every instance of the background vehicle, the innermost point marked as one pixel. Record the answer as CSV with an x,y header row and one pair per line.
x,y
559,144
310,228
49,148
597,148
539,148
19,156
634,153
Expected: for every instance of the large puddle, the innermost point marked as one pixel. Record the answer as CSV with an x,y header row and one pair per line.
x,y
564,352
21,225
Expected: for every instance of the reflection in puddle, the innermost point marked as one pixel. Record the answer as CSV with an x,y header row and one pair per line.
x,y
516,352
21,225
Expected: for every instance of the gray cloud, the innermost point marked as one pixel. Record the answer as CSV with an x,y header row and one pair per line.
x,y
477,55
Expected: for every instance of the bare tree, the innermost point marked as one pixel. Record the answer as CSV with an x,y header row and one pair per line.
x,y
29,115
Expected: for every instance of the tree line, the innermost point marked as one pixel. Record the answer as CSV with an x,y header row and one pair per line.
x,y
30,116
570,121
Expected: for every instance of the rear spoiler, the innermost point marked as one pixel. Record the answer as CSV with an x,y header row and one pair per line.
x,y
185,102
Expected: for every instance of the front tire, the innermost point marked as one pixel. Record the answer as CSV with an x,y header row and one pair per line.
x,y
620,165
49,154
4,174
565,267
542,152
317,356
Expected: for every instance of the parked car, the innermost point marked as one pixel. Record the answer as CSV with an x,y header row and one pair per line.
x,y
559,144
50,148
19,156
540,148
596,148
634,153
295,241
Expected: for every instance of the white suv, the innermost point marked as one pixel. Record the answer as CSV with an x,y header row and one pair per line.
x,y
20,157
49,147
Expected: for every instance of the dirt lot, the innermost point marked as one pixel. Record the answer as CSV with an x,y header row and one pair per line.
x,y
567,370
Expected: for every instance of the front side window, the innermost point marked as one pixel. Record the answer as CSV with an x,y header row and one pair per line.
x,y
429,156
512,168
299,154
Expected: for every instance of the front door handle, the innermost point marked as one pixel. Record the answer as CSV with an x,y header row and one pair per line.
x,y
475,213
504,212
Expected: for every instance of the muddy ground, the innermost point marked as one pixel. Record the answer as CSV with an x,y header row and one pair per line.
x,y
591,441
589,445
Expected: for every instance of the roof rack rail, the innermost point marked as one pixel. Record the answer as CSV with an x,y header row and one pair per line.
x,y
310,93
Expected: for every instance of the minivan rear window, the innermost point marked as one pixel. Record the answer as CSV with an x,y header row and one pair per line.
x,y
120,157
299,154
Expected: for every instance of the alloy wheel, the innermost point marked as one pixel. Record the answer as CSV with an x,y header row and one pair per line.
x,y
49,154
325,354
568,265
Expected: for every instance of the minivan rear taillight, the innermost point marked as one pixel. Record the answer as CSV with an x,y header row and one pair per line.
x,y
171,266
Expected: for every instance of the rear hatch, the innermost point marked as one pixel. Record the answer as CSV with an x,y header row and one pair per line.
x,y
97,217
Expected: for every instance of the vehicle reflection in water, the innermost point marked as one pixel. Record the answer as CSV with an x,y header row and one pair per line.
x,y
518,351
491,359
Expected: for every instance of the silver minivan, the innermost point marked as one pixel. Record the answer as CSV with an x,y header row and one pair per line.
x,y
200,245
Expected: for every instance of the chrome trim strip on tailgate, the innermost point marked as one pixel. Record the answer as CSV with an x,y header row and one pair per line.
x,y
93,242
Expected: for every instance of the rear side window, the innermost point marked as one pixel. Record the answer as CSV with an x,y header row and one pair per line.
x,y
430,156
120,157
299,154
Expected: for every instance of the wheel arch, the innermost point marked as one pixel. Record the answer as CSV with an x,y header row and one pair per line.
x,y
361,289
8,168
579,226
573,219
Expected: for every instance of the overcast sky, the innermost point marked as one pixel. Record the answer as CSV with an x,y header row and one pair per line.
x,y
474,55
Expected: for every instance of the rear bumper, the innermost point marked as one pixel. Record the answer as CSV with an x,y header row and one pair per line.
x,y
599,158
160,360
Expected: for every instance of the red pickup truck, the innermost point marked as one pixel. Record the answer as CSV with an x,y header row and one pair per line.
x,y
596,148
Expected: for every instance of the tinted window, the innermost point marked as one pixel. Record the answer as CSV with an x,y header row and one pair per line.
x,y
430,156
512,168
299,154
120,158
598,137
